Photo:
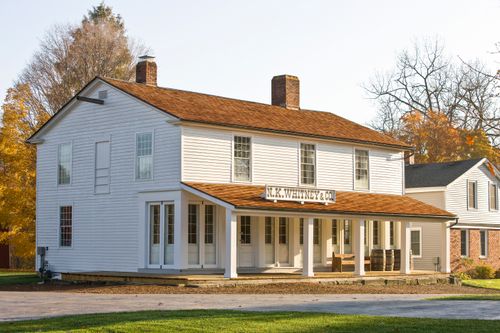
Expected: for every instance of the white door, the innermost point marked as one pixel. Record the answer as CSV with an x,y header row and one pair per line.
x,y
269,241
335,237
245,242
160,230
210,236
317,241
193,234
283,241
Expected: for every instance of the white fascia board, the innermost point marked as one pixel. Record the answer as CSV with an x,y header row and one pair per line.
x,y
476,226
425,189
207,197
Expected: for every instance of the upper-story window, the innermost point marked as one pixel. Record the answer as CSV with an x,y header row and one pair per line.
x,y
493,196
65,226
361,169
472,194
307,164
64,163
242,158
144,153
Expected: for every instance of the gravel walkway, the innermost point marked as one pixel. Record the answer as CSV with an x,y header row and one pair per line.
x,y
32,305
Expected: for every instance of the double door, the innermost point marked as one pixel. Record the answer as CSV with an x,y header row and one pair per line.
x,y
277,241
202,235
160,234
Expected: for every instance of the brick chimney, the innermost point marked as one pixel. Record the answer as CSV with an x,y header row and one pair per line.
x,y
145,70
285,91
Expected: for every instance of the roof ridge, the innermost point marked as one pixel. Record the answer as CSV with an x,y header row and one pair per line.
x,y
456,161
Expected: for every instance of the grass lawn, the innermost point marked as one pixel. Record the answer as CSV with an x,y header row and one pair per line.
x,y
236,321
490,283
17,277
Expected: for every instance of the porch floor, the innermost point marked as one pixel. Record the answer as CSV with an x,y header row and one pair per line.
x,y
200,280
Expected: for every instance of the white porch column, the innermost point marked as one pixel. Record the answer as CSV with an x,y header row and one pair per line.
x,y
385,233
231,244
180,231
308,261
405,248
445,248
359,247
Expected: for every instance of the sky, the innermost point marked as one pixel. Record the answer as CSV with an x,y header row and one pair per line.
x,y
234,48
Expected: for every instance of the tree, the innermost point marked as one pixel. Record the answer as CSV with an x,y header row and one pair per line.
x,y
427,82
69,57
17,176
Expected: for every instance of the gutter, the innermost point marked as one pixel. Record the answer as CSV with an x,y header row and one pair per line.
x,y
454,224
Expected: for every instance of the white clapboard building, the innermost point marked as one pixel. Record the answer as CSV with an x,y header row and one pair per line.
x,y
132,177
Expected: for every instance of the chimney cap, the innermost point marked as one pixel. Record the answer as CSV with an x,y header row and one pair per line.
x,y
147,57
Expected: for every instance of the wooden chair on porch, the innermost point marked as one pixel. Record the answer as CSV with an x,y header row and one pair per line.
x,y
339,260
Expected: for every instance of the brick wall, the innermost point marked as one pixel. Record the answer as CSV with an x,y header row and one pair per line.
x,y
493,257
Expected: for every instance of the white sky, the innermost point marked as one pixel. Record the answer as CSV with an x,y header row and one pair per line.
x,y
233,48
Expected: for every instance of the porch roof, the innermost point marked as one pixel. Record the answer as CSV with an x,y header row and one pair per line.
x,y
347,203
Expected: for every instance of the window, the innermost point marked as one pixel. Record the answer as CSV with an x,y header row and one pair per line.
x,y
483,237
64,164
416,242
361,171
391,233
209,224
464,243
316,230
335,230
283,230
242,158
193,224
376,233
169,216
301,231
66,226
102,164
472,194
245,231
493,196
144,152
307,164
347,232
269,234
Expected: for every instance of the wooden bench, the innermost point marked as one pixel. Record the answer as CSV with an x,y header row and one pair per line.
x,y
338,260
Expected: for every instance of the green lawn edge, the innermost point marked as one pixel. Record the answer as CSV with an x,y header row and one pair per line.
x,y
492,297
244,321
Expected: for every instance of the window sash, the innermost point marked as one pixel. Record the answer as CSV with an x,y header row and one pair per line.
x,y
170,217
347,232
376,233
493,196
283,230
391,233
335,230
64,158
242,158
209,224
65,226
472,194
415,241
307,164
361,169
316,231
144,156
269,230
483,239
464,243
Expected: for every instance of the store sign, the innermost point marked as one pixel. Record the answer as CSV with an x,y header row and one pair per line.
x,y
300,194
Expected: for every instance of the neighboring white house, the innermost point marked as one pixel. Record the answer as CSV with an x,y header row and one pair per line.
x,y
133,177
469,189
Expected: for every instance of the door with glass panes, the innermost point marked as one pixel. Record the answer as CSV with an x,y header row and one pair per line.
x,y
160,234
202,235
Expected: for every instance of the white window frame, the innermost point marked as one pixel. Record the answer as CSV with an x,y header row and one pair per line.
x,y
108,140
476,199
495,185
70,164
467,237
69,204
136,164
419,229
315,163
485,244
233,167
355,187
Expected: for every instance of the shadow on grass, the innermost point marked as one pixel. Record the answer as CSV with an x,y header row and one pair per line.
x,y
236,321
13,278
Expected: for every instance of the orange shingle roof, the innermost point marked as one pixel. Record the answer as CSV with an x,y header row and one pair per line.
x,y
216,110
348,203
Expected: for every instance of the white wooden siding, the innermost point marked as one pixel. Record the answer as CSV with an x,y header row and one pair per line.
x,y
456,198
105,226
207,157
437,198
